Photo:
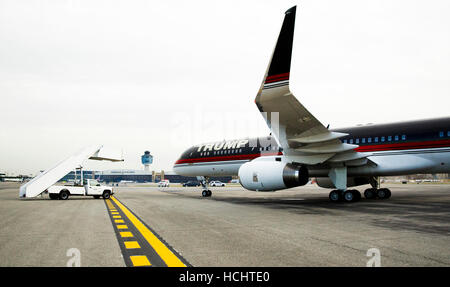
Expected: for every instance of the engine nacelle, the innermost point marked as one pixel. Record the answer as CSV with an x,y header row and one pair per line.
x,y
265,175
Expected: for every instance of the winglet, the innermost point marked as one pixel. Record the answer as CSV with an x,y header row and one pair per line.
x,y
280,65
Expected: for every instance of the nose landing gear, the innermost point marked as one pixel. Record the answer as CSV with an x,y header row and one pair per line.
x,y
204,182
206,193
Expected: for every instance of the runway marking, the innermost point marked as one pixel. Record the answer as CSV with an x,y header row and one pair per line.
x,y
126,234
131,244
139,244
140,260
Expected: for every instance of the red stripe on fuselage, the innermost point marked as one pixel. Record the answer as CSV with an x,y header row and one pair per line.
x,y
405,145
225,158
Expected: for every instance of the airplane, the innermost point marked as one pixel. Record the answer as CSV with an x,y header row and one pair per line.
x,y
301,147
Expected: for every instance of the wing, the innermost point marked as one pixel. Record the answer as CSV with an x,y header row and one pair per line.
x,y
304,138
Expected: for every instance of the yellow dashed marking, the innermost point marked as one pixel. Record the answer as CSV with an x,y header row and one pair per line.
x,y
126,234
123,226
140,260
115,213
118,221
132,245
117,216
163,251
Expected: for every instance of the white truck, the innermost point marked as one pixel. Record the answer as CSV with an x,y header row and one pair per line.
x,y
90,187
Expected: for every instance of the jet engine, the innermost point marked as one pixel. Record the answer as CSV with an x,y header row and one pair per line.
x,y
265,175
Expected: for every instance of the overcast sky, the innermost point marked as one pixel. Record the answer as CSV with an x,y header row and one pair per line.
x,y
165,75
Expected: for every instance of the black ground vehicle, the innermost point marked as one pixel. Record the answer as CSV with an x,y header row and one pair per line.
x,y
191,183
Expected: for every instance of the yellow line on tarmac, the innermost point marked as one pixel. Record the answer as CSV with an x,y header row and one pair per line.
x,y
163,251
140,260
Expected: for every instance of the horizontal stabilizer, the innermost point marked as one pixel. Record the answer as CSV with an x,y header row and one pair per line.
x,y
108,154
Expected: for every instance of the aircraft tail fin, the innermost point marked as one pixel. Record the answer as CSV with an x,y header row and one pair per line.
x,y
280,65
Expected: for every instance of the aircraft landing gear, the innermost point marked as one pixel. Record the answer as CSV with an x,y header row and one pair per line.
x,y
372,193
335,196
350,195
206,192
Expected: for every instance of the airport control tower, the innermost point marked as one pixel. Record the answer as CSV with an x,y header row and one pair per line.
x,y
146,160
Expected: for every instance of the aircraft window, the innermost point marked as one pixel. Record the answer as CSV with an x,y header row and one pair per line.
x,y
441,134
240,150
363,140
389,138
357,141
351,141
448,133
345,141
396,138
376,139
382,139
403,137
369,140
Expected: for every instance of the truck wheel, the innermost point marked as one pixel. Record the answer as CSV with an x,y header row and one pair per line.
x,y
96,196
106,194
64,194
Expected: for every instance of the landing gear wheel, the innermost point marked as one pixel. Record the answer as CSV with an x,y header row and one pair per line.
x,y
209,192
370,193
64,195
106,194
335,196
205,193
349,196
383,193
357,195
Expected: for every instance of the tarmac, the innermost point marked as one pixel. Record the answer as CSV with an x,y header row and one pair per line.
x,y
234,227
